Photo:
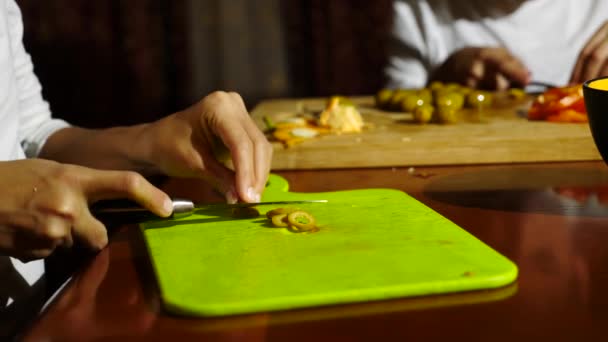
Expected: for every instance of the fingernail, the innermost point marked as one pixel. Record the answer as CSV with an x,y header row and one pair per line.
x,y
231,196
168,206
253,196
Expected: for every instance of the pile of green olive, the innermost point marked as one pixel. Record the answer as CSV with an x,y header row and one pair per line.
x,y
438,102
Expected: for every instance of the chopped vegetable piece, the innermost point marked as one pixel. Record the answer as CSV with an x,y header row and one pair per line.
x,y
303,132
295,120
279,220
567,115
268,122
301,221
341,116
279,211
291,123
295,130
564,104
297,220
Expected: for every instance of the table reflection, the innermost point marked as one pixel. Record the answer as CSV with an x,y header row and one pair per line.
x,y
556,246
86,312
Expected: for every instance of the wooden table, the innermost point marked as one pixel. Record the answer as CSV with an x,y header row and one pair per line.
x,y
548,218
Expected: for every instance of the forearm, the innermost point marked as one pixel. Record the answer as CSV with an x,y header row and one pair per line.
x,y
119,148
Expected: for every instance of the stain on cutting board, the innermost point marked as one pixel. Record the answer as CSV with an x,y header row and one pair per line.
x,y
372,244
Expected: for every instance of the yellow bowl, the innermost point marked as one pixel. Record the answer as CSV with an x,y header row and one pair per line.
x,y
595,92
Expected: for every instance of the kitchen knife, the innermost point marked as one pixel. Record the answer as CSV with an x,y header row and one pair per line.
x,y
537,88
128,210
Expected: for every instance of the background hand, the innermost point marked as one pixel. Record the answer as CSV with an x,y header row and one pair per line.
x,y
185,144
490,68
46,204
592,61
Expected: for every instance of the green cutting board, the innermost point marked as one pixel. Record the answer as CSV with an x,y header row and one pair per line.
x,y
372,244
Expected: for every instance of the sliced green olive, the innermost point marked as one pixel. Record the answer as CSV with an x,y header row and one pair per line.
x,y
301,221
279,220
278,211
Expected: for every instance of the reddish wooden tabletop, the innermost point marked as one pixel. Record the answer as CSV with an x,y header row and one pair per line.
x,y
550,219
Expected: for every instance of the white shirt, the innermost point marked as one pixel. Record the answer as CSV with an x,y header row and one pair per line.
x,y
25,118
547,35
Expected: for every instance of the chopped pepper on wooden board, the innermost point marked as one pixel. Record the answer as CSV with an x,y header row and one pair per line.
x,y
563,104
339,116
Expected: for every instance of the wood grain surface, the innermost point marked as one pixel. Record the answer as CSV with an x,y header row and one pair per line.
x,y
501,134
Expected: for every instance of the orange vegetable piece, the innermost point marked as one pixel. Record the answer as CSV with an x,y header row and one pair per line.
x,y
568,115
565,104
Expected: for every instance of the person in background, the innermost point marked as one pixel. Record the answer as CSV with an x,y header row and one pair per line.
x,y
497,44
50,172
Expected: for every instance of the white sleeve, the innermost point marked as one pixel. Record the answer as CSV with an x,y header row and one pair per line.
x,y
407,49
36,124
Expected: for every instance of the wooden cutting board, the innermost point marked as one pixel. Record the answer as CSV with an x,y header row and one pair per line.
x,y
373,244
500,135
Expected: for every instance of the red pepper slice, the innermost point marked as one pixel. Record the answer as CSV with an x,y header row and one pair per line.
x,y
565,104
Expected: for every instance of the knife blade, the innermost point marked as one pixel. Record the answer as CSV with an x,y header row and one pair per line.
x,y
181,207
537,87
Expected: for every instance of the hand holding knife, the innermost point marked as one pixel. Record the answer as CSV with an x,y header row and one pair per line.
x,y
127,210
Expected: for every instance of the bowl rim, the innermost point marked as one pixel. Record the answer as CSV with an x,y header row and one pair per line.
x,y
586,83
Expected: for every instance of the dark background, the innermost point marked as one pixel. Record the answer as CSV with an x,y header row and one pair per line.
x,y
116,62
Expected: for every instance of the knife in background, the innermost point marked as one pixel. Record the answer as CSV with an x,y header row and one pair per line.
x,y
125,210
537,87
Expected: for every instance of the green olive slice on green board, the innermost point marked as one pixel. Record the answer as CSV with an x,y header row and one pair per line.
x,y
278,211
279,220
301,221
